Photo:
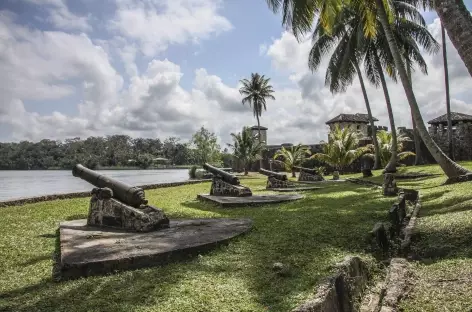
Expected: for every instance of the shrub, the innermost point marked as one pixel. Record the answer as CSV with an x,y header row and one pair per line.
x,y
192,172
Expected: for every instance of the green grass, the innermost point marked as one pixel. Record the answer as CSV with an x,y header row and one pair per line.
x,y
442,277
309,235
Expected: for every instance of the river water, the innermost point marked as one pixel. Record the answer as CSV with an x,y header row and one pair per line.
x,y
17,184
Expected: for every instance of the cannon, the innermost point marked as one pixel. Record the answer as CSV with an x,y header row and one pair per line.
x,y
226,184
276,180
119,205
127,194
308,175
277,175
222,174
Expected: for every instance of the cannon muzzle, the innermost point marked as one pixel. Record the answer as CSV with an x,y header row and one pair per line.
x,y
127,194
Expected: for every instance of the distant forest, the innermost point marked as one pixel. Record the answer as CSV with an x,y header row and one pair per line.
x,y
110,151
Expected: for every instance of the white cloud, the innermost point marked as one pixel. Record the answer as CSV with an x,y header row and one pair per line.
x,y
47,66
61,17
156,24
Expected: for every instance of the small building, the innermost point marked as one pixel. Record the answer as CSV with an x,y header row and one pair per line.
x,y
357,122
440,123
461,134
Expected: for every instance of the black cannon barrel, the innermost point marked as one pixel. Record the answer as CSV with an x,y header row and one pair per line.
x,y
128,194
225,176
277,175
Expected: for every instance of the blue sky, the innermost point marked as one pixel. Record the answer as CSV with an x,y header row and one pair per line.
x,y
61,92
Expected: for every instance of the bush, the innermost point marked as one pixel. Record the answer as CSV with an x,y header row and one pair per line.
x,y
192,172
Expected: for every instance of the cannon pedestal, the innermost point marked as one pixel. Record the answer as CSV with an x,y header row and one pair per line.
x,y
222,188
308,177
274,183
105,211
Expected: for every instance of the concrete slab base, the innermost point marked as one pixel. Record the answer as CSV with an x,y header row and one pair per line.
x,y
87,250
226,201
295,189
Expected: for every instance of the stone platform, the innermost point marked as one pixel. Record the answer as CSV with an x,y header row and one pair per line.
x,y
294,189
87,250
320,182
254,200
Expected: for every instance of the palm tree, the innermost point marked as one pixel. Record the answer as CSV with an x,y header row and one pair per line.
x,y
347,35
255,91
299,15
293,157
448,98
247,148
456,19
386,142
343,64
454,15
342,148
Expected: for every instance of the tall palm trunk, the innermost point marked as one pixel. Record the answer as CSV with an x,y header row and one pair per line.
x,y
456,19
260,138
416,137
450,168
371,119
448,98
392,164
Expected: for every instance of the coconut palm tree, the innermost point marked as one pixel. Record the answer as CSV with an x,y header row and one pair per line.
x,y
342,149
351,47
386,142
456,19
340,74
292,157
247,148
299,16
255,91
448,98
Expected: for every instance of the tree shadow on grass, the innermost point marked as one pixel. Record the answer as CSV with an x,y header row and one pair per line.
x,y
308,236
437,243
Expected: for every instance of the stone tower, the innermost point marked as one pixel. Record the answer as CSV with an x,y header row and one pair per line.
x,y
255,132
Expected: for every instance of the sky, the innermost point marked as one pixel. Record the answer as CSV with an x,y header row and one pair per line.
x,y
160,68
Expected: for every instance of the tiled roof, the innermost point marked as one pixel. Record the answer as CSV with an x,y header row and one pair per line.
x,y
454,116
363,118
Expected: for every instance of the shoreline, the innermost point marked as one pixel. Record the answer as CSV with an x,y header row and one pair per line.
x,y
107,168
42,198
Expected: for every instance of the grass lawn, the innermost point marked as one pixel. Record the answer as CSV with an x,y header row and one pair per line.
x,y
308,235
442,279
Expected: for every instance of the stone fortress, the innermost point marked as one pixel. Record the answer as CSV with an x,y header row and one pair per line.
x,y
462,137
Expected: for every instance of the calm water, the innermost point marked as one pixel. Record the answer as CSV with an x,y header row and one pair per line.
x,y
17,184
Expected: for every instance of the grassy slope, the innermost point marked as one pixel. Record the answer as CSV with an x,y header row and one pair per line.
x,y
309,235
442,279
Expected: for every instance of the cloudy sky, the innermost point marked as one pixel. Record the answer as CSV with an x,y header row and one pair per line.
x,y
156,68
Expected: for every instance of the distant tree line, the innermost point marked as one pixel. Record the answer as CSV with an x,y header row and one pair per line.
x,y
112,151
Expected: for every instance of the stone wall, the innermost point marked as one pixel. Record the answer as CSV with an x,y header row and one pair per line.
x,y
462,139
37,199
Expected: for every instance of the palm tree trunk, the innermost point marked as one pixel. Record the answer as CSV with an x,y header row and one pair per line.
x,y
448,98
457,21
450,168
260,138
371,120
416,137
392,164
